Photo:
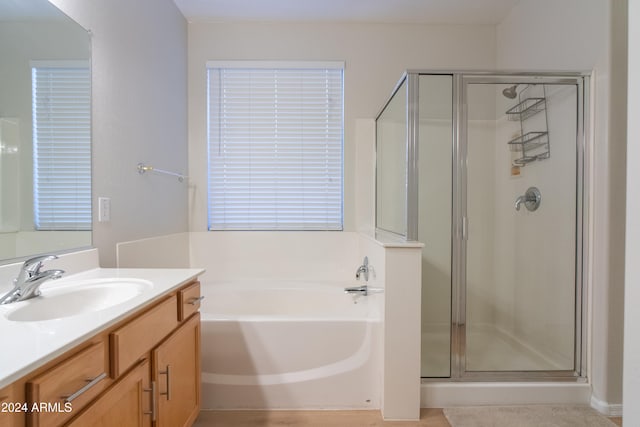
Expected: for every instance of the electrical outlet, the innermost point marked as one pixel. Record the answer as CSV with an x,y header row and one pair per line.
x,y
104,209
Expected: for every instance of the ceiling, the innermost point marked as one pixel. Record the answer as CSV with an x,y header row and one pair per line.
x,y
28,10
488,12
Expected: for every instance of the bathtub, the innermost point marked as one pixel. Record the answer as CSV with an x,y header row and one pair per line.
x,y
285,345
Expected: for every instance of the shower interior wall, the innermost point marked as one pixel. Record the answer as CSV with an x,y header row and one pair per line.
x,y
521,264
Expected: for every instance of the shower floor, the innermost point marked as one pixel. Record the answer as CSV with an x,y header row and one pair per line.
x,y
488,349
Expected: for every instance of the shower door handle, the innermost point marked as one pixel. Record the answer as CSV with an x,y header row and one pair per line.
x,y
464,226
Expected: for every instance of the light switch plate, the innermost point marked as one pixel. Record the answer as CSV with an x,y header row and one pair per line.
x,y
104,209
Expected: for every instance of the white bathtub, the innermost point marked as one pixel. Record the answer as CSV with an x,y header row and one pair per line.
x,y
268,345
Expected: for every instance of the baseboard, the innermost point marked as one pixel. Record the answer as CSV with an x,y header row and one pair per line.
x,y
607,409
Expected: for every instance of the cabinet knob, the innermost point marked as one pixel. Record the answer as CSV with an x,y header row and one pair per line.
x,y
196,301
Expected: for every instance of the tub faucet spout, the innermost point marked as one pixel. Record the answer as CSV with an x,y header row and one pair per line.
x,y
357,290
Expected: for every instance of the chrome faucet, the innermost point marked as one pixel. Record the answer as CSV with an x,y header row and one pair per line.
x,y
363,269
520,200
531,199
357,290
27,284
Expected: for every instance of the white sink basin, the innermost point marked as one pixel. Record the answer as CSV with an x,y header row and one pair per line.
x,y
75,298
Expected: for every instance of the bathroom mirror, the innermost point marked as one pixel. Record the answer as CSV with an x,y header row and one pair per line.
x,y
45,131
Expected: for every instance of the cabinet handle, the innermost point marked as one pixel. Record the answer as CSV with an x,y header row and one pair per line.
x,y
90,383
152,390
167,372
195,301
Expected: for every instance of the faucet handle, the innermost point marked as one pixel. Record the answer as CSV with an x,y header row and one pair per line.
x,y
364,269
32,266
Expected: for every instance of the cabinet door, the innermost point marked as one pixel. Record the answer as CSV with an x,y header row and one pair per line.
x,y
129,402
176,371
12,406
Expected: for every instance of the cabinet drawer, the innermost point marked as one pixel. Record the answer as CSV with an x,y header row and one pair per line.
x,y
68,386
137,337
188,301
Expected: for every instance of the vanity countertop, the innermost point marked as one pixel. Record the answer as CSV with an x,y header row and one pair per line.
x,y
28,345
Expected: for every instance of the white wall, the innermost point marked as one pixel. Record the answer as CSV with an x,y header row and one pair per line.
x,y
631,395
167,251
401,357
536,36
255,255
375,56
139,89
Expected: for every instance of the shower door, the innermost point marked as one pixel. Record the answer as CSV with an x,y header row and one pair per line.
x,y
517,297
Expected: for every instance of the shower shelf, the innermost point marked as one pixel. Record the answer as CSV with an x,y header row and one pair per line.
x,y
525,109
522,161
529,139
530,145
533,146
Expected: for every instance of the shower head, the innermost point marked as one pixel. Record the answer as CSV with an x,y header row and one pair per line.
x,y
510,92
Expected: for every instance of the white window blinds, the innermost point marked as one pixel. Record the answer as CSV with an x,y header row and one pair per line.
x,y
62,145
275,136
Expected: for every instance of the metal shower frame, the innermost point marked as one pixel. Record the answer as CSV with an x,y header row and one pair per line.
x,y
459,210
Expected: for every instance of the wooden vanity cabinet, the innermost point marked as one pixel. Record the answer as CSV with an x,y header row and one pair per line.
x,y
144,371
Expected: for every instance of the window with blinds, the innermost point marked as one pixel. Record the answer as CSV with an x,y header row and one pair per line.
x,y
61,105
275,140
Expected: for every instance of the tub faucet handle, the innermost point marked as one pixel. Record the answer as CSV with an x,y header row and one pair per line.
x,y
363,270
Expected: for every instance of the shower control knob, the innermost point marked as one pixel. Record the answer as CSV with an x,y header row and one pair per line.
x,y
531,199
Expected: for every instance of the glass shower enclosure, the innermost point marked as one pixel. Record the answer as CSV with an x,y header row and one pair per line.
x,y
487,171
